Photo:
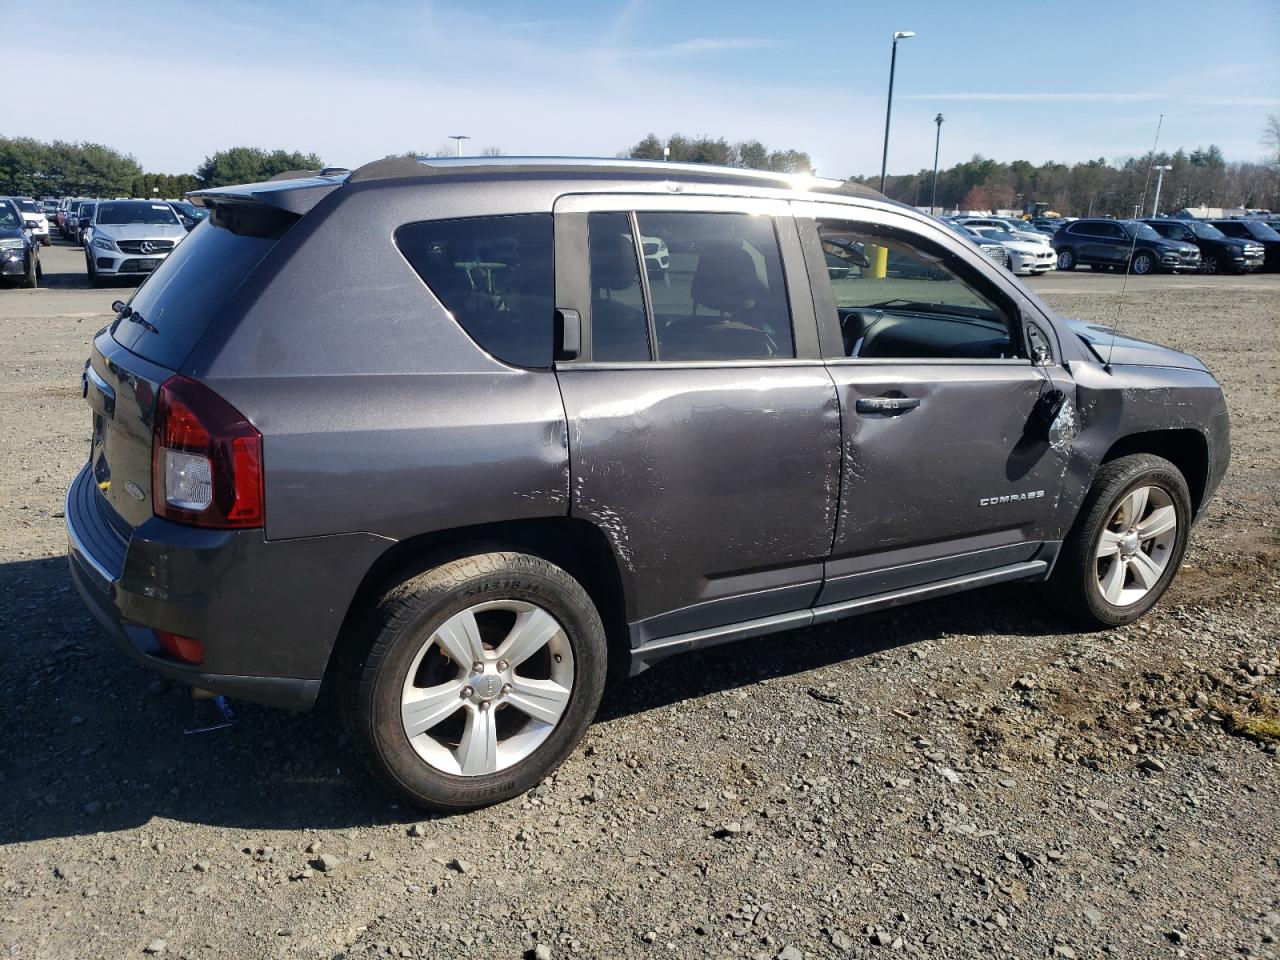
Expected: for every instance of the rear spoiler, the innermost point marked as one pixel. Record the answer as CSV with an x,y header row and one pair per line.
x,y
297,195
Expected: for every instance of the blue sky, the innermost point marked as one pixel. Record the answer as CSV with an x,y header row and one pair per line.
x,y
359,79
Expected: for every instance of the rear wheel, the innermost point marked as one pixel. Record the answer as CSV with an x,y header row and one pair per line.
x,y
1066,259
478,679
1126,545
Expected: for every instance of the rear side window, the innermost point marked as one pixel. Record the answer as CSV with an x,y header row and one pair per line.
x,y
711,288
187,291
495,275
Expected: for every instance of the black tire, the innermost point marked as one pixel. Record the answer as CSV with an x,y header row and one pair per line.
x,y
1073,587
406,618
31,276
94,279
1066,259
1143,264
1211,264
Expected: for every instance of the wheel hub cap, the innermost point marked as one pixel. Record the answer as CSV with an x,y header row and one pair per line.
x,y
1129,544
486,686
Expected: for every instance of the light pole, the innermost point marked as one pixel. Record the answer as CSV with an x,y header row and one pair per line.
x,y
1155,205
888,110
459,137
937,142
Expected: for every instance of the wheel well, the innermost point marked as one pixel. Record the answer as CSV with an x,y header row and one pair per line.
x,y
575,545
1185,449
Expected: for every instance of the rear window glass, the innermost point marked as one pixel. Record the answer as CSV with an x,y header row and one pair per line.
x,y
495,275
188,290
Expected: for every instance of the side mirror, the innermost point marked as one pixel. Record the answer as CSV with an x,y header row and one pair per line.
x,y
568,343
31,224
1037,345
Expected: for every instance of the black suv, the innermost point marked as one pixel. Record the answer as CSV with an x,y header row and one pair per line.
x,y
1218,252
1118,244
558,416
1255,229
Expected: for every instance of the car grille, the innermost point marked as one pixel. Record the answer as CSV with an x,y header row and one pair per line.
x,y
135,246
995,253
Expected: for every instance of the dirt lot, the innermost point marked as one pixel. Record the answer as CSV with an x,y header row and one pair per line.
x,y
966,778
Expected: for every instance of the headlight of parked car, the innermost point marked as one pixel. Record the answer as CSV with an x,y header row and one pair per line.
x,y
104,243
12,243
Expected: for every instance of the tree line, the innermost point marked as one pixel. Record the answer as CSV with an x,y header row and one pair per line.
x,y
34,168
751,154
1199,177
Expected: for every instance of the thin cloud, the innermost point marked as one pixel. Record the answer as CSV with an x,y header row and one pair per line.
x,y
684,48
1094,98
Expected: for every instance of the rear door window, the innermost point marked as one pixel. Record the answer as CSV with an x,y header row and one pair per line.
x,y
496,276
716,286
176,305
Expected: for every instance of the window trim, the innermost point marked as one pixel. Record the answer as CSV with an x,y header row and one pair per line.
x,y
573,283
973,263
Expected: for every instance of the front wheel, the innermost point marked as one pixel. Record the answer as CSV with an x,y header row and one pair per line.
x,y
478,678
1126,545
1066,259
31,276
1143,263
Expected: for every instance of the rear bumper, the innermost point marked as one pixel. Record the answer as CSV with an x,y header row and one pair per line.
x,y
267,612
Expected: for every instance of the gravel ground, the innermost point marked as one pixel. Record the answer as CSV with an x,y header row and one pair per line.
x,y
964,778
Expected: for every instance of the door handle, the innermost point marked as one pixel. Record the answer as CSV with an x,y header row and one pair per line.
x,y
886,404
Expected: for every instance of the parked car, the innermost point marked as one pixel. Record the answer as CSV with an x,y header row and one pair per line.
x,y
991,248
1252,228
49,207
1121,244
19,251
455,507
188,213
79,220
66,207
1019,228
1025,258
33,214
130,237
1218,252
1048,225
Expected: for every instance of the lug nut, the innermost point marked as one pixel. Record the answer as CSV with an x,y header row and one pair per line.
x,y
502,665
485,705
467,693
558,658
477,667
506,688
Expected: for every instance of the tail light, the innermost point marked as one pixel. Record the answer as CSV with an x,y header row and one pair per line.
x,y
206,459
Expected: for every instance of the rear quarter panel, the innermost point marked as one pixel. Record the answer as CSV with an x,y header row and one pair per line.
x,y
378,413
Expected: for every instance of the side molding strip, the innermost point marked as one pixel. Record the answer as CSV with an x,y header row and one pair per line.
x,y
644,657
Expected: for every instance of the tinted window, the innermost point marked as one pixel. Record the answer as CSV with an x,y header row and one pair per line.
x,y
28,205
187,291
136,211
1232,228
1204,230
1143,231
619,328
495,275
716,286
901,296
1260,231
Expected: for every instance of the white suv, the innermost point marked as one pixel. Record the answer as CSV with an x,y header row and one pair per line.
x,y
130,238
31,211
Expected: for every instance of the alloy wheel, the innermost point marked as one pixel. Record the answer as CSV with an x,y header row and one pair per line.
x,y
487,688
1136,545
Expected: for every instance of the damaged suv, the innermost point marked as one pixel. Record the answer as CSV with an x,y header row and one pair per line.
x,y
453,478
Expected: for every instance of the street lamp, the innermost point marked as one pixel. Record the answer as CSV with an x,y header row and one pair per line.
x,y
888,110
459,137
936,143
1155,206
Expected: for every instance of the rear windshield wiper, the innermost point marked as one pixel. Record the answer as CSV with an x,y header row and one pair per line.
x,y
131,314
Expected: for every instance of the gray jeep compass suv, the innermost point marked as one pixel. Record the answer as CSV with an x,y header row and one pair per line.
x,y
448,440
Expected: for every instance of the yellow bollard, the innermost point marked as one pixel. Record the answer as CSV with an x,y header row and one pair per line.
x,y
879,257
